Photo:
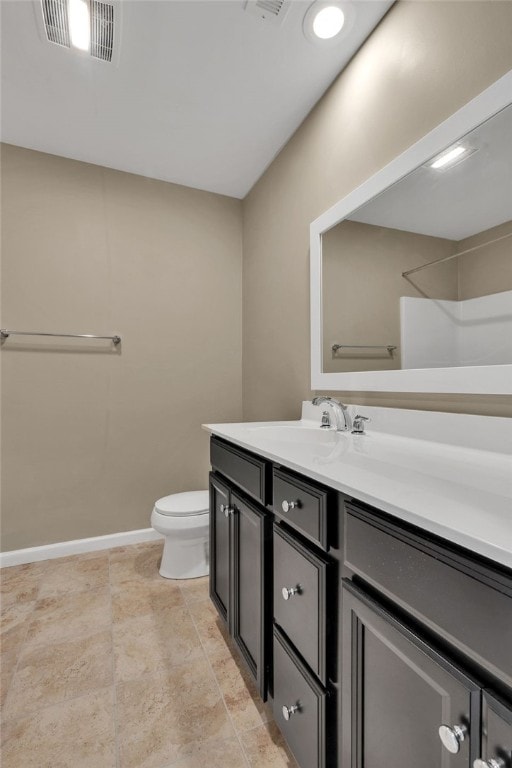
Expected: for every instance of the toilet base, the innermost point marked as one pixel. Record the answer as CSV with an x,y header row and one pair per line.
x,y
186,544
184,559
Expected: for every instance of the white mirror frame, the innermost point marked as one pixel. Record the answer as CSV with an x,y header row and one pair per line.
x,y
488,379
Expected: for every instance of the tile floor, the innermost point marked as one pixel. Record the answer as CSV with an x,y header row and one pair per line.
x,y
106,665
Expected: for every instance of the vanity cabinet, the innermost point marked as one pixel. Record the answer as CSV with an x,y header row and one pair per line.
x,y
426,650
401,691
240,537
368,634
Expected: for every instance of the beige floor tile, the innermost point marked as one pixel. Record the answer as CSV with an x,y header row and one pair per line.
x,y
130,549
20,583
82,556
162,718
211,629
15,621
136,563
195,590
75,574
138,598
246,708
155,643
56,619
225,753
51,674
7,667
265,748
73,734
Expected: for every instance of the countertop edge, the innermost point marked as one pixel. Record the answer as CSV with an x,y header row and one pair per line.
x,y
487,549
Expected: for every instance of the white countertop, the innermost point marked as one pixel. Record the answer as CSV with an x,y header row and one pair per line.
x,y
463,494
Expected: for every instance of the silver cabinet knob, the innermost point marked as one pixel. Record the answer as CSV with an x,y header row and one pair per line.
x,y
289,711
286,506
452,737
288,592
226,509
492,763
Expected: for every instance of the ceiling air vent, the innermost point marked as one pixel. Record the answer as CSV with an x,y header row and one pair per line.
x,y
55,14
102,30
99,42
268,10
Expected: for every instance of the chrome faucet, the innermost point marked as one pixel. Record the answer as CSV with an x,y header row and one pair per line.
x,y
341,414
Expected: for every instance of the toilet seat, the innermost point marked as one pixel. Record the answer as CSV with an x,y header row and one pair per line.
x,y
188,504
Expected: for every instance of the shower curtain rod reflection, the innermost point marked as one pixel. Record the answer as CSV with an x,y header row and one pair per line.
x,y
5,333
454,255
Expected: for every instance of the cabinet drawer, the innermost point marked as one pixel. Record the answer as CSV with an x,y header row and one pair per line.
x,y
244,469
302,505
300,599
436,587
294,686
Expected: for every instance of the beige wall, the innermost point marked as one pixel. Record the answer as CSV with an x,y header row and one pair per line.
x,y
424,61
92,436
362,284
488,270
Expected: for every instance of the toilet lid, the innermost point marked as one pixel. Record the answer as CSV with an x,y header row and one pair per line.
x,y
182,504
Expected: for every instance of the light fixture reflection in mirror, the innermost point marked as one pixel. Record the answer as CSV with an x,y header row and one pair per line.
x,y
458,310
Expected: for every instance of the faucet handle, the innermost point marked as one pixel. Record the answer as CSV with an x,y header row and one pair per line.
x,y
358,426
326,420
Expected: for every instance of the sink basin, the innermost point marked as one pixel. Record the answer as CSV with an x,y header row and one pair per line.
x,y
297,434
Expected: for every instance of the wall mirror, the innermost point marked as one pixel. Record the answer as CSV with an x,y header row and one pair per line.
x,y
411,274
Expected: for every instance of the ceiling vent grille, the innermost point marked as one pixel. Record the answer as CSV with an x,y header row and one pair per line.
x,y
56,23
55,14
102,30
268,10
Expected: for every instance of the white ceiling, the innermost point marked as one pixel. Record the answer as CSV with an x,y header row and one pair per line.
x,y
203,93
469,197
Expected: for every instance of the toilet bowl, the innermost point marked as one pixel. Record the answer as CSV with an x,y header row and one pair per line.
x,y
183,518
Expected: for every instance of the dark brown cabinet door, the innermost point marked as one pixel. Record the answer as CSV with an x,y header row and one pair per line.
x,y
240,569
250,615
496,733
398,691
220,560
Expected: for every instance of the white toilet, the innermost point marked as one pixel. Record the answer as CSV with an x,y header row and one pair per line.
x,y
184,520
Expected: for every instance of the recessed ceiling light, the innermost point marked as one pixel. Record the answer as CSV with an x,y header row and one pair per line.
x,y
451,156
79,24
326,22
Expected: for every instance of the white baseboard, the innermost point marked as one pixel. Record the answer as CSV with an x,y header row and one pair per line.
x,y
77,547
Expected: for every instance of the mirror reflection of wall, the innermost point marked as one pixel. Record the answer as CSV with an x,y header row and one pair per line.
x,y
454,313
